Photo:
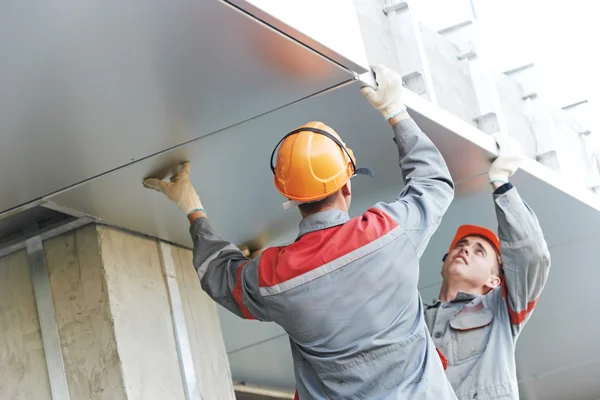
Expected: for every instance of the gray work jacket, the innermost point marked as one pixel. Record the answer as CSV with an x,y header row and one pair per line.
x,y
478,334
346,290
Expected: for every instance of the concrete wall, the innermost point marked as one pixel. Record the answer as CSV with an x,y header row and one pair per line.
x,y
514,108
113,314
84,316
451,79
23,374
390,40
377,36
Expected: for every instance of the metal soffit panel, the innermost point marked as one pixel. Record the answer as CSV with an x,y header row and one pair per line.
x,y
231,174
310,22
230,171
89,87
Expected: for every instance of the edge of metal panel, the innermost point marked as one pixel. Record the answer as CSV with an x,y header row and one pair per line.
x,y
295,35
184,351
47,319
443,118
266,392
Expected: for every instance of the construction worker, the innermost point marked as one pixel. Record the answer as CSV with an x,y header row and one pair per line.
x,y
346,290
490,287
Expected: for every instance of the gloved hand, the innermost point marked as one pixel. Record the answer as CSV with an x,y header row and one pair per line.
x,y
387,99
509,158
180,190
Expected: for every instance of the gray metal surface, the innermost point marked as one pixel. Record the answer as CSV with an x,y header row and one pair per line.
x,y
89,87
230,172
310,23
184,352
45,309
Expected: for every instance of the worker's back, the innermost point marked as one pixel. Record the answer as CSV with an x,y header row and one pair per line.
x,y
347,295
346,290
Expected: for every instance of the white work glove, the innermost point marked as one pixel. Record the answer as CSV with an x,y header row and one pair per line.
x,y
509,158
387,99
180,190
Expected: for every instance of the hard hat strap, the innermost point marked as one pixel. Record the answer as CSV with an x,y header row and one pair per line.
x,y
320,132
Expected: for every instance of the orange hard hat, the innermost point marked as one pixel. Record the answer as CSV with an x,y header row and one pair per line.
x,y
474,230
313,163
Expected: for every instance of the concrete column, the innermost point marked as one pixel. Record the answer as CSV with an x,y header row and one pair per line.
x,y
113,311
23,373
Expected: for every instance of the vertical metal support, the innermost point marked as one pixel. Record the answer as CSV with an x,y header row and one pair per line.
x,y
406,32
46,315
184,351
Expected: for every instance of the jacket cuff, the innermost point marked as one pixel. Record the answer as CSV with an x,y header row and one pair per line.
x,y
504,188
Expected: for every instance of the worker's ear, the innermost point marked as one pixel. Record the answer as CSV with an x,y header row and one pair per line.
x,y
493,282
346,190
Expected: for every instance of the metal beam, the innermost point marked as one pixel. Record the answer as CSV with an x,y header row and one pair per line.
x,y
243,390
21,242
47,319
396,7
184,351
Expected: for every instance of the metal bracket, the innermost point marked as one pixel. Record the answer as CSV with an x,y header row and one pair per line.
x,y
44,234
467,56
184,351
488,123
396,7
415,82
47,319
529,96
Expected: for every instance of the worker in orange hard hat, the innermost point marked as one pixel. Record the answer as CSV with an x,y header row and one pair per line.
x,y
490,287
337,289
312,164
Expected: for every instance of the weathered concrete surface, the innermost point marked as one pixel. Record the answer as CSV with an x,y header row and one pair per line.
x,y
451,77
23,373
141,314
213,373
83,314
517,122
114,319
377,37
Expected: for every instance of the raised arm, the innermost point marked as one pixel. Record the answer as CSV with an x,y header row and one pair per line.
x,y
428,189
525,255
227,276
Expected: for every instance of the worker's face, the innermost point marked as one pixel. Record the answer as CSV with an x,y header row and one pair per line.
x,y
474,262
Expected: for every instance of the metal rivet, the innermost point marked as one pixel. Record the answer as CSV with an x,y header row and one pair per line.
x,y
438,335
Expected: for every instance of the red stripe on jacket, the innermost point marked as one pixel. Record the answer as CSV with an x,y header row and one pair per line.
x,y
517,318
314,249
443,358
237,292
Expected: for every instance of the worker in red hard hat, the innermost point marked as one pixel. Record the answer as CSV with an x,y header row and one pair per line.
x,y
490,287
346,290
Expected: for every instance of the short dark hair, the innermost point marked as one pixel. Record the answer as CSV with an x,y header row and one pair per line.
x,y
318,206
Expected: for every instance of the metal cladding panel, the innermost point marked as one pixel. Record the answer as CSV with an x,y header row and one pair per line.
x,y
87,87
329,27
230,171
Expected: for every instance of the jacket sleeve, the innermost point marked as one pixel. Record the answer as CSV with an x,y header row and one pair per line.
x,y
225,273
525,255
428,189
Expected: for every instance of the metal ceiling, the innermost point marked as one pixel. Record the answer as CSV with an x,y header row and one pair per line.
x,y
127,81
90,86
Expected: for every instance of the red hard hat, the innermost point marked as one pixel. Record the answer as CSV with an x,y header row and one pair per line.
x,y
473,230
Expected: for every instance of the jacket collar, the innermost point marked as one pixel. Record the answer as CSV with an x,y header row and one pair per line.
x,y
322,220
460,298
